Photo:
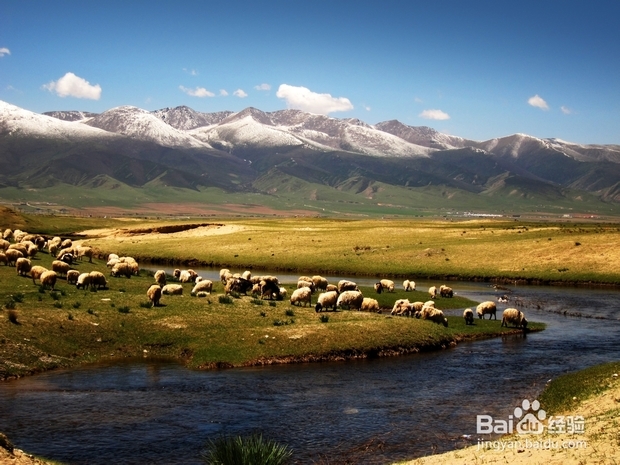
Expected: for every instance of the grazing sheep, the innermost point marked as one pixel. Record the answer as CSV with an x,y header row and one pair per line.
x,y
7,234
445,291
160,277
32,250
202,294
304,278
303,294
154,294
53,249
435,315
384,285
370,305
112,262
309,284
4,245
326,300
63,251
408,285
468,316
184,276
22,265
48,279
72,276
66,244
282,293
514,317
113,256
12,255
433,292
84,251
121,269
247,275
350,299
331,287
23,248
36,272
60,267
320,283
344,285
238,285
97,280
83,281
172,289
485,308
4,259
401,307
203,286
225,274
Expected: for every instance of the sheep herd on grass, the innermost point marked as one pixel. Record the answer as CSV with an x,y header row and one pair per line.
x,y
343,295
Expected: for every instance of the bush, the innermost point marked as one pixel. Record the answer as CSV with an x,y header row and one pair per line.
x,y
324,318
225,299
19,297
124,309
13,317
77,304
146,304
272,303
58,304
257,301
10,304
55,295
290,312
249,450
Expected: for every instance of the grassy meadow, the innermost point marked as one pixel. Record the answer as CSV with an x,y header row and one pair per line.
x,y
477,249
42,329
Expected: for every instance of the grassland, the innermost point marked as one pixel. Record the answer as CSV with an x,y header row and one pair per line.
x,y
503,250
42,329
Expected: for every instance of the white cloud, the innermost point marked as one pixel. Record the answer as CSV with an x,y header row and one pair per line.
x,y
566,110
418,100
263,87
191,72
197,92
304,99
71,85
538,102
434,114
367,108
4,51
240,93
223,93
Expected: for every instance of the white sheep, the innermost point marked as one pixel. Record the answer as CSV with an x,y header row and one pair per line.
x,y
326,300
345,285
66,244
97,280
121,269
433,292
160,277
408,285
384,285
247,275
113,256
331,287
84,251
401,307
468,316
514,317
303,294
309,284
60,267
12,255
83,281
112,262
370,305
485,308
23,248
36,272
435,315
4,245
154,294
48,279
416,308
172,289
72,276
184,276
224,275
445,291
203,286
350,299
23,265
7,234
4,259
320,283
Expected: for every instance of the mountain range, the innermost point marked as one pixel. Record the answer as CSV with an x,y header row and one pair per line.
x,y
290,159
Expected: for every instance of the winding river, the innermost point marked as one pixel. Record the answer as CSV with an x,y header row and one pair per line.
x,y
367,411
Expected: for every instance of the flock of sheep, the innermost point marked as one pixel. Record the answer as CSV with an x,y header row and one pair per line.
x,y
344,295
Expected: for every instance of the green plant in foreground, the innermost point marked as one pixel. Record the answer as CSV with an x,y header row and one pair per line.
x,y
224,299
123,309
290,312
249,450
324,318
58,304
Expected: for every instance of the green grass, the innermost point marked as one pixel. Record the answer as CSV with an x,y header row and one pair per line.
x,y
202,332
567,391
250,450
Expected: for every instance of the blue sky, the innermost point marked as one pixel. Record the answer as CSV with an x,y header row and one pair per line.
x,y
476,69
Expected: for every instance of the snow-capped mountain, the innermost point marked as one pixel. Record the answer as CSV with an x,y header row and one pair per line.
x,y
185,118
141,124
70,115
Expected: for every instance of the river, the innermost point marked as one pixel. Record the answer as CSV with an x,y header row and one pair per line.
x,y
365,411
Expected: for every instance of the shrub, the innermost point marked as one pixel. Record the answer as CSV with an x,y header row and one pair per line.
x,y
289,312
146,304
41,289
257,301
58,304
124,309
77,304
19,297
10,304
272,303
13,317
263,314
249,450
55,295
324,318
225,299
70,316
